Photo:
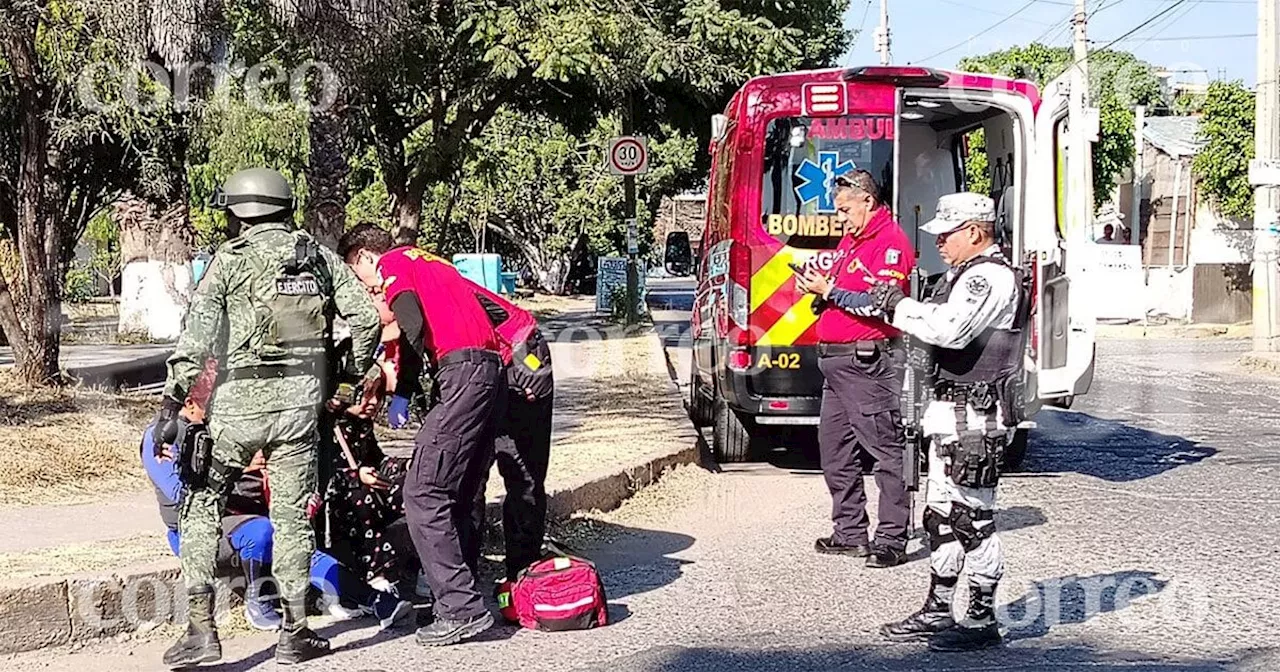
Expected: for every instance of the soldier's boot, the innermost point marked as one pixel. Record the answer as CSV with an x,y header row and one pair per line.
x,y
259,608
979,629
932,618
200,643
297,642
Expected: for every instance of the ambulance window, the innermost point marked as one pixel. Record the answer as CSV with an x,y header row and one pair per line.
x,y
1060,153
802,158
722,190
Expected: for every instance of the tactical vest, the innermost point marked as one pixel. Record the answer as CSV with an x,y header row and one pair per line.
x,y
996,354
289,287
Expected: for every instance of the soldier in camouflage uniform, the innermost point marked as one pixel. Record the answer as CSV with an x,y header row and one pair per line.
x,y
263,309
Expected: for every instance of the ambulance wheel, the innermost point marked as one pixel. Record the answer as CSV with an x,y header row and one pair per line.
x,y
1015,452
1063,402
732,437
700,406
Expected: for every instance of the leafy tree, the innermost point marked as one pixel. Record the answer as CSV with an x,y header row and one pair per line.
x,y
61,162
1117,81
1222,166
440,83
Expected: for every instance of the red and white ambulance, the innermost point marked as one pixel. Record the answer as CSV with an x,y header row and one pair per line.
x,y
775,152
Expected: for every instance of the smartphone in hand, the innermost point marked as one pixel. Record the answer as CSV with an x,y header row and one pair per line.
x,y
797,268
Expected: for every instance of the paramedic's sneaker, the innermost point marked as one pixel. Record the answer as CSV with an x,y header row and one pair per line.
x,y
389,609
446,631
336,611
261,615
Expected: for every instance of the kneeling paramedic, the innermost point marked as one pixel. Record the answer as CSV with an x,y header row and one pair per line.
x,y
442,325
262,309
973,321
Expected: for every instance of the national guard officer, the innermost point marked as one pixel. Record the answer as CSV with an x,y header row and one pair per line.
x,y
263,309
974,321
444,327
862,359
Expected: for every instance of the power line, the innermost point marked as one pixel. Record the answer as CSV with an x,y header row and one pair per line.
x,y
1156,17
984,10
1167,22
1197,37
861,25
990,28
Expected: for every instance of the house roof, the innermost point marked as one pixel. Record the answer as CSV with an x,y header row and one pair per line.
x,y
1175,136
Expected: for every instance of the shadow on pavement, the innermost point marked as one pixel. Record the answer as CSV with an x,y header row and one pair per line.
x,y
631,560
1071,658
1106,449
1074,599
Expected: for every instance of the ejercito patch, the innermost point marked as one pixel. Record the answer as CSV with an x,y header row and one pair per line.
x,y
977,285
297,286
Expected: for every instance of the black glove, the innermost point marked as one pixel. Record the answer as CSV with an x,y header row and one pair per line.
x,y
165,431
886,296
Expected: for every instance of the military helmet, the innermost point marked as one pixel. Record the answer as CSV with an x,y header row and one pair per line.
x,y
256,193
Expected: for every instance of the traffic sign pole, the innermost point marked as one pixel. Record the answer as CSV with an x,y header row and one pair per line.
x,y
629,197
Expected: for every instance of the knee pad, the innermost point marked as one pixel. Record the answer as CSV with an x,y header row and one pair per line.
x,y
964,525
939,529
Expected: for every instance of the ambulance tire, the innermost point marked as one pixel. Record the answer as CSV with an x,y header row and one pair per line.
x,y
1015,452
701,408
733,438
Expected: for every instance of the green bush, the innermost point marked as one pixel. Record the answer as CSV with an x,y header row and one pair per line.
x,y
80,284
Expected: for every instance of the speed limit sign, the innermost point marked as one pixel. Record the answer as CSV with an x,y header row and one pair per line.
x,y
628,155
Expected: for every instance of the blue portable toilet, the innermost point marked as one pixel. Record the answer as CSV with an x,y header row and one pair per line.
x,y
483,269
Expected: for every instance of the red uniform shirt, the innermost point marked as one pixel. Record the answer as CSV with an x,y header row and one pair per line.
x,y
453,318
514,324
881,252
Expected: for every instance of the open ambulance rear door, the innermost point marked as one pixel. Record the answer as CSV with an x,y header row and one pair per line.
x,y
1059,210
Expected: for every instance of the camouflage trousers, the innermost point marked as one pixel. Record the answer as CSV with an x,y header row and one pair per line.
x,y
288,440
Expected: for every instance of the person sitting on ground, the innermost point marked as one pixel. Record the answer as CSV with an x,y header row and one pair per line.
x,y
247,532
365,495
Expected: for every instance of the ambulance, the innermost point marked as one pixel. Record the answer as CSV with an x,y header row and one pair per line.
x,y
776,151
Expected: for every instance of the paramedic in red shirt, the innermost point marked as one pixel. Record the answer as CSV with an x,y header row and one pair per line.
x,y
522,460
442,327
863,362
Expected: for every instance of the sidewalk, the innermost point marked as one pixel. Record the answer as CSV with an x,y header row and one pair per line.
x,y
1262,362
1132,331
620,423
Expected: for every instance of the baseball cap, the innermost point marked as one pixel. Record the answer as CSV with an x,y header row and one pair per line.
x,y
954,210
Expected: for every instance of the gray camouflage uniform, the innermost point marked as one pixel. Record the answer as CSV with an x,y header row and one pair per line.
x,y
266,325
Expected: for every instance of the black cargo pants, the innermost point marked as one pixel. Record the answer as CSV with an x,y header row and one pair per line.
x,y
452,452
522,453
862,407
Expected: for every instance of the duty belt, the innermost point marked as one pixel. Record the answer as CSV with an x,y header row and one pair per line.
x,y
473,355
845,349
273,371
981,395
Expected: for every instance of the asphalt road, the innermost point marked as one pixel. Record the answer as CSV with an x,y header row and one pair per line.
x,y
1142,535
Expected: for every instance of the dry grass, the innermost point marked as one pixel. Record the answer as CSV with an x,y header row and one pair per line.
x,y
104,556
546,306
61,445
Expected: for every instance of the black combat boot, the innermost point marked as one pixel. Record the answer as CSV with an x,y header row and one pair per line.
x,y
979,629
297,642
200,644
933,617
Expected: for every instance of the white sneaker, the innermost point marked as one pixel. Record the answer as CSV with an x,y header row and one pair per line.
x,y
341,613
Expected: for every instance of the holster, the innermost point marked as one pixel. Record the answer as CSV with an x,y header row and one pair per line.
x,y
975,458
195,453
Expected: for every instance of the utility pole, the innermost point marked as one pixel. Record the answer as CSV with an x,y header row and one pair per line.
x,y
1139,146
629,198
882,33
1081,166
1266,260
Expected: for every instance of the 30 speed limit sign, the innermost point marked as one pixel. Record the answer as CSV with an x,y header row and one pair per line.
x,y
628,155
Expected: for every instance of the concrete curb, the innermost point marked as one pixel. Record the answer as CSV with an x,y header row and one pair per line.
x,y
134,372
86,607
1134,331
